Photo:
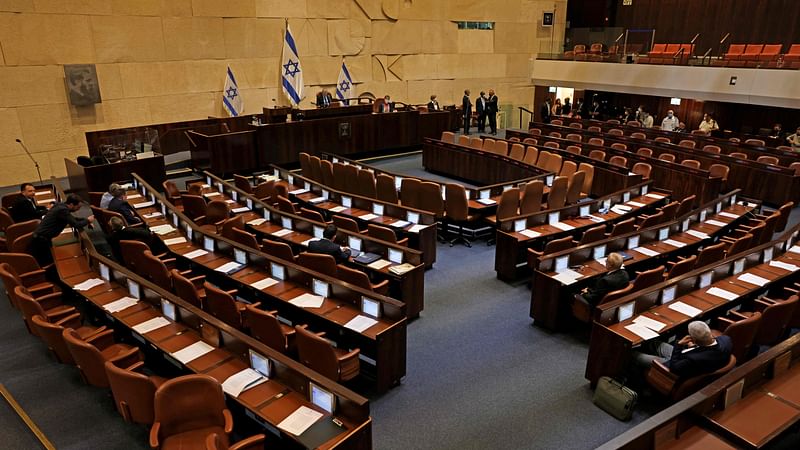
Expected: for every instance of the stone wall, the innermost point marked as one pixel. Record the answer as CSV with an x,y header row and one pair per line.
x,y
164,60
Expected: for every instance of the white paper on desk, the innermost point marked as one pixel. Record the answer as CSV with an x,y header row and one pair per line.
x,y
368,216
636,204
784,266
67,230
697,234
143,205
192,352
308,241
236,383
683,308
240,210
281,232
316,200
722,293
594,218
729,215
487,201
256,222
300,420
673,243
399,223
416,228
88,284
654,195
227,267
174,241
753,279
530,233
163,229
567,276
641,331
263,284
134,196
646,251
212,194
150,325
563,226
602,260
119,305
794,249
360,323
338,209
379,264
298,191
649,323
151,215
196,254
619,210
308,300
716,223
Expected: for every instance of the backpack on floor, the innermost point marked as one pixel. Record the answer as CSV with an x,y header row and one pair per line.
x,y
614,398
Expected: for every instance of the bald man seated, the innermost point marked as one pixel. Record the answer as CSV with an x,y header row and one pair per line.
x,y
614,280
695,354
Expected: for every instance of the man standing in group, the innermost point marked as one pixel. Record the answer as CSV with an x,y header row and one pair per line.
x,y
466,105
480,108
491,111
670,123
25,207
544,111
54,222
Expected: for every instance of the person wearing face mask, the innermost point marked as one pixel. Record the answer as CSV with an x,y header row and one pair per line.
x,y
670,123
646,119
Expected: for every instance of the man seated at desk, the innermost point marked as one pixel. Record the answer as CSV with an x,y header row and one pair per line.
x,y
328,247
695,354
25,207
121,232
324,99
108,196
614,280
120,205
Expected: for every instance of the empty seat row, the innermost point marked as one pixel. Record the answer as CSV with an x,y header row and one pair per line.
x,y
759,55
668,54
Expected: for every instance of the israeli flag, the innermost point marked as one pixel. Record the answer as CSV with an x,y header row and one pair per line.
x,y
291,73
231,99
344,85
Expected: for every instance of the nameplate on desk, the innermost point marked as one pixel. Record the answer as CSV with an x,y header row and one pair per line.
x,y
377,209
325,194
267,214
195,254
189,232
395,256
318,231
368,216
290,179
685,225
398,182
263,284
520,225
722,293
718,207
530,233
636,204
549,180
607,204
347,202
143,205
625,312
729,215
105,272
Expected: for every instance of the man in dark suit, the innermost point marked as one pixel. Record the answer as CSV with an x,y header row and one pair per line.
x,y
119,204
53,223
544,111
695,354
324,99
491,111
120,232
614,280
326,245
25,207
466,105
433,105
480,109
387,105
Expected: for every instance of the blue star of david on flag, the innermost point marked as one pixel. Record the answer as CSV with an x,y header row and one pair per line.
x,y
232,102
292,73
344,85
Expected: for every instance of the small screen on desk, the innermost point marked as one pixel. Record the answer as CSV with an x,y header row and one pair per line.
x,y
370,307
413,217
561,263
584,210
484,194
377,209
633,242
598,252
240,256
552,218
519,225
259,363
325,194
321,288
663,233
396,256
321,398
235,196
266,214
277,271
208,243
354,243
626,197
668,295
738,266
318,232
105,273
767,255
133,289
286,222
347,201
169,311
625,312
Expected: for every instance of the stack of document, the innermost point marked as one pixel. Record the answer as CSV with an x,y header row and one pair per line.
x,y
653,324
398,223
240,210
281,232
143,205
729,215
162,229
368,216
308,301
195,254
241,381
256,222
379,264
300,420
594,218
133,196
88,284
338,208
620,209
683,308
487,201
654,195
150,325
119,305
722,293
263,284
636,204
174,241
717,223
67,230
192,352
151,215
753,279
416,228
298,191
530,233
401,269
697,234
646,251
674,243
563,226
360,323
316,200
794,249
567,276
784,266
228,267
641,331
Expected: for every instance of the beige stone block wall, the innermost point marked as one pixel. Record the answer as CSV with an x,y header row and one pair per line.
x,y
165,60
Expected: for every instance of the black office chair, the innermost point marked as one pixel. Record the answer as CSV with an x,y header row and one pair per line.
x,y
85,161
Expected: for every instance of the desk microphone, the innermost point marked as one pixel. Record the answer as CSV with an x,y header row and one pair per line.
x,y
36,164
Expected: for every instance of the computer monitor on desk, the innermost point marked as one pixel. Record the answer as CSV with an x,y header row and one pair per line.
x,y
322,398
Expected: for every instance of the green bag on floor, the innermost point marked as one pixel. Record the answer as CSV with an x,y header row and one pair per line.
x,y
614,398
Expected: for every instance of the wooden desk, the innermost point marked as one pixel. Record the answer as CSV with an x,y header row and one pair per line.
x,y
755,419
333,111
224,153
98,178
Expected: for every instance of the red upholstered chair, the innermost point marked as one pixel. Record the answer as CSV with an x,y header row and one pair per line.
x,y
133,391
668,384
52,333
771,160
216,442
265,326
90,354
669,157
318,354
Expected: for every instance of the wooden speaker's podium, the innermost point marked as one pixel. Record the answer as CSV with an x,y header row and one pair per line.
x,y
276,114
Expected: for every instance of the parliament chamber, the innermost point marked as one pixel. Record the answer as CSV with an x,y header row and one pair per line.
x,y
392,224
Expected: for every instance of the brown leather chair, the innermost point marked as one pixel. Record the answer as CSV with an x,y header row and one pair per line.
x,y
593,234
366,183
583,311
188,409
644,151
430,199
265,327
326,172
155,270
339,176
133,254
385,189
552,144
318,354
91,354
285,205
648,278
785,211
245,238
49,306
681,267
771,160
345,223
508,206
234,223
26,271
624,227
324,264
449,137
574,187
315,166
531,201
305,166
738,155
265,191
21,244
256,442
172,192
574,149
685,206
95,197
554,246
217,212
642,169
618,146
194,188
282,189
693,163
312,215
668,157
615,132
544,159
194,206
517,152
457,211
663,139
360,279
620,161
651,220
189,289
742,331
574,137
531,154
133,391
385,234
712,149
638,135
711,254
277,249
739,245
554,163
558,193
598,155
668,384
669,211
568,169
687,143
775,317
588,180
243,184
351,179
410,192
597,141
52,334
19,229
222,305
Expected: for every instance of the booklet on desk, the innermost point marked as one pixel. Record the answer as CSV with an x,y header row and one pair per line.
x,y
401,269
367,258
321,432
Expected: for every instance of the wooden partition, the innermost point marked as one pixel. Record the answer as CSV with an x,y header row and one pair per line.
x,y
224,153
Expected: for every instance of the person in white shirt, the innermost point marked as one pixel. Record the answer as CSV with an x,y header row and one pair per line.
x,y
646,119
708,124
670,123
794,140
